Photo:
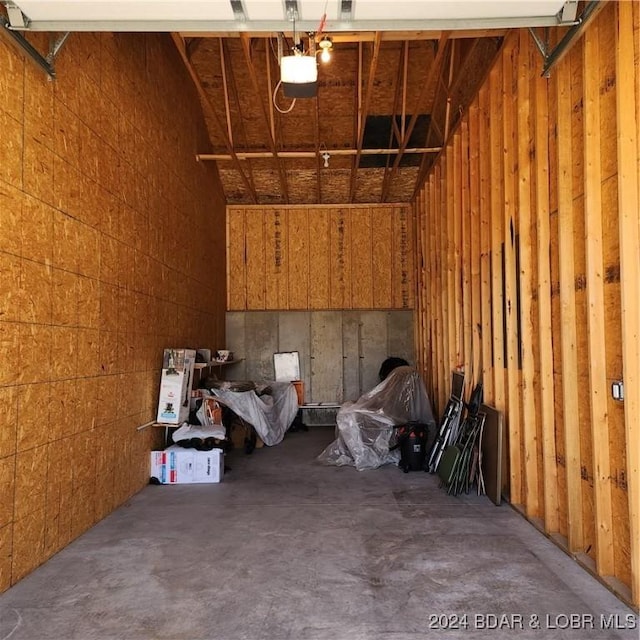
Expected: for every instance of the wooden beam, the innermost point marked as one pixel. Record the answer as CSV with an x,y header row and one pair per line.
x,y
596,305
227,111
398,86
456,255
476,241
484,169
316,140
568,333
628,116
235,98
497,237
450,253
528,327
246,48
362,116
545,341
465,257
433,70
442,258
180,46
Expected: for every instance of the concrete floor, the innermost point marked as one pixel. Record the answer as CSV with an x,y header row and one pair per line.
x,y
287,548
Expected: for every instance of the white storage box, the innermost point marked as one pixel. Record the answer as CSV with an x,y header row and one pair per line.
x,y
176,465
175,386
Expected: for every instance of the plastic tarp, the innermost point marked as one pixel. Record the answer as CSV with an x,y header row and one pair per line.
x,y
270,414
365,428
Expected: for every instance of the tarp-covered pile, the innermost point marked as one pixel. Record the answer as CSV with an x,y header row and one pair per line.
x,y
365,428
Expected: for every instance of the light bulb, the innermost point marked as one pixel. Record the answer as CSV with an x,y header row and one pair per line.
x,y
325,56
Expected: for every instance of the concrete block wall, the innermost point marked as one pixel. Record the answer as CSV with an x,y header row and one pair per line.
x,y
111,249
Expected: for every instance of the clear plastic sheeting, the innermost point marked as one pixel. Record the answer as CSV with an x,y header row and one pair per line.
x,y
270,414
365,428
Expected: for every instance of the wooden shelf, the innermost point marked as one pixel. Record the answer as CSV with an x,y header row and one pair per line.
x,y
215,363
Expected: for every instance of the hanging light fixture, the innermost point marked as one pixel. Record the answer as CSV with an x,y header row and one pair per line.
x,y
299,75
298,71
326,46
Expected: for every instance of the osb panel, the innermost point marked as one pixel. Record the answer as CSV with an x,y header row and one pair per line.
x,y
11,300
33,415
11,218
319,259
362,259
6,543
30,481
11,150
340,238
111,233
299,243
8,420
7,489
28,544
382,252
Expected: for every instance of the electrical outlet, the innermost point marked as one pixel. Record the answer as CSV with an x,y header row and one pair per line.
x,y
617,390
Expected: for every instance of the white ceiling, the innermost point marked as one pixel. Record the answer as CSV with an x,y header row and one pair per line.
x,y
275,15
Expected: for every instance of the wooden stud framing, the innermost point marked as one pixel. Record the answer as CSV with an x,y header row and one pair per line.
x,y
476,242
510,276
595,296
497,223
529,423
486,335
465,256
575,531
628,116
546,408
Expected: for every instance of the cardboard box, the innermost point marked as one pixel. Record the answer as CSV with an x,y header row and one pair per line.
x,y
176,465
175,386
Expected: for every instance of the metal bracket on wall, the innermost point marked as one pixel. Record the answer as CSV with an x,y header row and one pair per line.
x,y
565,17
18,22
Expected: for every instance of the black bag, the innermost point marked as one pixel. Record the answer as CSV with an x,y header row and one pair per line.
x,y
414,440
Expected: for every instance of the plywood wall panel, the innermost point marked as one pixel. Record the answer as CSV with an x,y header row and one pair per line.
x,y
381,249
361,259
319,257
298,258
97,275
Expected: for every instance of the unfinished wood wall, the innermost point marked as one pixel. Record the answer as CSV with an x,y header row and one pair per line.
x,y
110,250
320,257
528,233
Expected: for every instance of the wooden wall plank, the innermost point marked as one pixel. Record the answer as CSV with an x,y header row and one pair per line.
x,y
545,342
456,237
319,258
298,257
443,258
485,241
598,388
628,139
362,259
497,238
236,272
579,257
476,243
276,260
402,258
340,292
510,274
381,237
465,256
450,247
528,329
575,532
255,257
